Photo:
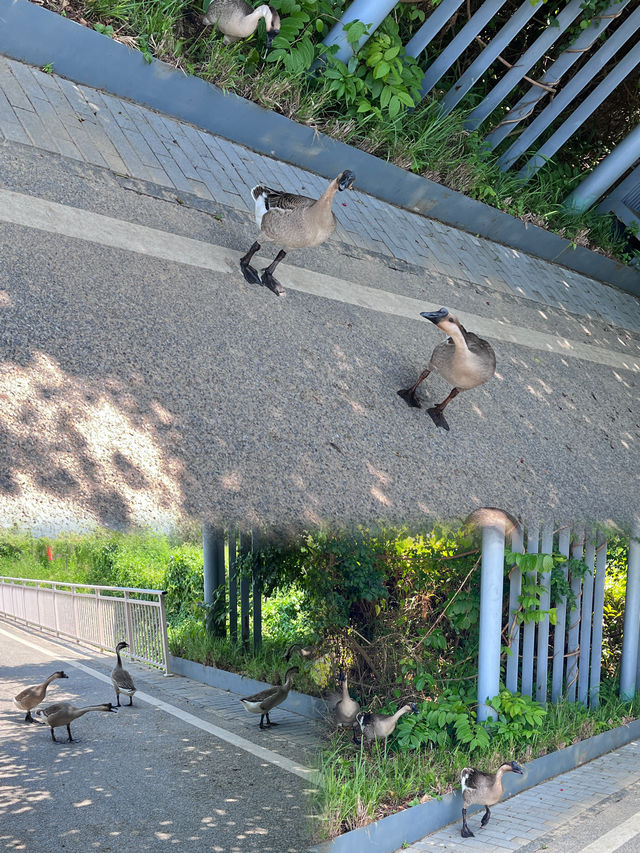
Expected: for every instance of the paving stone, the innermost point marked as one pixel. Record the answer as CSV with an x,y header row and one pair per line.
x,y
12,89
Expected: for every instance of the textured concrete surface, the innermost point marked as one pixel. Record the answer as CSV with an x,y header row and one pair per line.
x,y
563,815
141,390
143,778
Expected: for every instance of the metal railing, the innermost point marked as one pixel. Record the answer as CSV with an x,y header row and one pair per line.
x,y
100,616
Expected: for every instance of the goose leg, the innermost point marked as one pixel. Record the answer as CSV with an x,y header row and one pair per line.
x,y
436,412
262,726
465,832
486,816
29,718
355,739
409,394
118,698
250,273
130,701
53,737
69,732
267,275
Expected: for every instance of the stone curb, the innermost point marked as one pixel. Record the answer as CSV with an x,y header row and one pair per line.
x,y
298,703
410,825
31,34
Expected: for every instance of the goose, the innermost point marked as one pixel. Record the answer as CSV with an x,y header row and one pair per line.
x,y
238,20
292,221
380,726
63,714
28,698
346,708
484,789
464,360
121,679
265,701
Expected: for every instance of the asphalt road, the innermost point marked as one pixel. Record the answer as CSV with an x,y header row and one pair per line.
x,y
141,779
147,384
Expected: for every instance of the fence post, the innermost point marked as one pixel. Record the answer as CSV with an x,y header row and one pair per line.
x,y
370,12
529,628
75,612
233,586
515,588
245,548
99,614
631,628
542,662
164,637
564,540
127,622
598,609
490,628
257,600
213,569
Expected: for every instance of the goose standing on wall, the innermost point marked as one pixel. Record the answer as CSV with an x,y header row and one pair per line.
x,y
63,714
484,789
121,679
265,701
464,360
292,221
28,698
380,726
238,20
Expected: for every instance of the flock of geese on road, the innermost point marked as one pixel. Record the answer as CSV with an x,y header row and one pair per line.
x,y
294,221
478,787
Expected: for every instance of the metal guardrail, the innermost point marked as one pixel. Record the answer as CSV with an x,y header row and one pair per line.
x,y
89,614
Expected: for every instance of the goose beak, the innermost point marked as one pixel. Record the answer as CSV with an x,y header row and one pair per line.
x,y
112,710
270,37
347,180
516,768
414,708
435,316
64,675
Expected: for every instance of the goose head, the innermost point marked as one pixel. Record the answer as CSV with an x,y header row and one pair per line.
x,y
121,646
414,708
272,24
107,706
512,766
290,672
346,180
60,674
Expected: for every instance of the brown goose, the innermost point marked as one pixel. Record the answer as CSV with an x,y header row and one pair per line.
x,y
238,20
484,789
28,698
464,360
380,726
292,221
63,714
120,677
265,701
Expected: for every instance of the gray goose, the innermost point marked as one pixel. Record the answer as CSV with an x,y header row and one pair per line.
x,y
380,726
63,714
464,360
292,221
120,677
346,708
485,789
265,701
28,698
238,20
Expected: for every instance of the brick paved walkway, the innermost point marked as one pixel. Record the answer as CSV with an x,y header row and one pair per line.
x,y
51,113
527,817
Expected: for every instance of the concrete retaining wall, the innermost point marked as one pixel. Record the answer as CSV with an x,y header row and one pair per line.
x,y
34,35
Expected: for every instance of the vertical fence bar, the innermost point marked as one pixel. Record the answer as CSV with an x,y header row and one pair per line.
x,y
209,554
529,628
370,12
490,628
100,620
573,632
431,27
542,655
586,620
515,588
76,627
221,601
257,600
127,622
564,539
628,667
233,586
598,610
55,610
245,548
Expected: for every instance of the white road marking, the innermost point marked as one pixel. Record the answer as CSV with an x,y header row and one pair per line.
x,y
33,212
223,734
615,838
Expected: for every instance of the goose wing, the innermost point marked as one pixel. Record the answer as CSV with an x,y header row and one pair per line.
x,y
279,200
262,696
471,778
123,679
52,710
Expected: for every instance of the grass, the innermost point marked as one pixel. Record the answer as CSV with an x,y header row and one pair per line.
x,y
356,787
423,140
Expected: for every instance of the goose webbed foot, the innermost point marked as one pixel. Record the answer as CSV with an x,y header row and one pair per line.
x,y
29,718
465,832
409,395
273,284
250,273
485,817
438,418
